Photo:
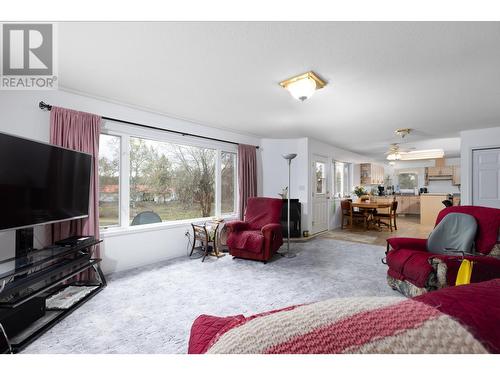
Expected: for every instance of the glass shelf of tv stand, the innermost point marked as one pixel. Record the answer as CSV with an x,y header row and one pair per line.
x,y
38,258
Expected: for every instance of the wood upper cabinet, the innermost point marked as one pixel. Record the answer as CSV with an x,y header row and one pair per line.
x,y
456,175
371,174
439,171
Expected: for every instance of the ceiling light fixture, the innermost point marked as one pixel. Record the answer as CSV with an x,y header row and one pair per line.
x,y
303,86
423,154
394,156
402,132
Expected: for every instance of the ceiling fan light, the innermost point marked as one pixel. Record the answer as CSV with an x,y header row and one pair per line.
x,y
396,155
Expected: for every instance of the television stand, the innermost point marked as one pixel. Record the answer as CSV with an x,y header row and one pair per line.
x,y
43,287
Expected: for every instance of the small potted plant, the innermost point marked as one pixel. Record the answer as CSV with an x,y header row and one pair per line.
x,y
361,193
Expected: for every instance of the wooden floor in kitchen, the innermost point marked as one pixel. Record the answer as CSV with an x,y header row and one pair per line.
x,y
408,226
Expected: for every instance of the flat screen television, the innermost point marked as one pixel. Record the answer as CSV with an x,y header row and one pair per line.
x,y
41,183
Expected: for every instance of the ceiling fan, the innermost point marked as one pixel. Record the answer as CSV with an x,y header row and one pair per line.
x,y
394,152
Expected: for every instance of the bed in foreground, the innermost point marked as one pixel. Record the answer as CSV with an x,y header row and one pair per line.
x,y
463,319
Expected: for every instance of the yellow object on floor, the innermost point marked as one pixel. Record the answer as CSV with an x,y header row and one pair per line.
x,y
464,272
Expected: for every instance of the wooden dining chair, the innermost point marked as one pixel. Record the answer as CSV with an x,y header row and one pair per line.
x,y
348,213
391,216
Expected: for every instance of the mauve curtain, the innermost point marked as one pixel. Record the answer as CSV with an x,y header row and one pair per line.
x,y
78,131
247,175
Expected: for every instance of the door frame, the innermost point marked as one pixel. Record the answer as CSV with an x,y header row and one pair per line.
x,y
466,170
328,173
470,181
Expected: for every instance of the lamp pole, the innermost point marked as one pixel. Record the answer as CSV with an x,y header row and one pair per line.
x,y
289,158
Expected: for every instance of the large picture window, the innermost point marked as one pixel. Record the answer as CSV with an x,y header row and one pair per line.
x,y
109,183
175,182
164,181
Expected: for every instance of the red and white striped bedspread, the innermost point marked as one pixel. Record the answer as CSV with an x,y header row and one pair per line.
x,y
348,325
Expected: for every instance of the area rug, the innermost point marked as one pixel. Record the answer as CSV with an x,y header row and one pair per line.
x,y
150,309
350,236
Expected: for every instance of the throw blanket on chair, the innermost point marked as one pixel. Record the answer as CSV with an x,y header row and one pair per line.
x,y
435,323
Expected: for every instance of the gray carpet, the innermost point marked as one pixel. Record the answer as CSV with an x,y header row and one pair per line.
x,y
150,309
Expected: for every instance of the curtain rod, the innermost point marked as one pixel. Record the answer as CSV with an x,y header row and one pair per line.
x,y
47,107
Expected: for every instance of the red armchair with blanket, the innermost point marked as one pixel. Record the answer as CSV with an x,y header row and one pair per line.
x,y
413,270
259,235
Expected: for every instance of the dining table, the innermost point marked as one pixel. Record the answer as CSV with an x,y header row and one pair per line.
x,y
369,208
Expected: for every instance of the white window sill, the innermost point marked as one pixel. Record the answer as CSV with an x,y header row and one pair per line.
x,y
121,231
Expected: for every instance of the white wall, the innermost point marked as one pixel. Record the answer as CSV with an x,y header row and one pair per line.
x,y
470,140
20,115
275,171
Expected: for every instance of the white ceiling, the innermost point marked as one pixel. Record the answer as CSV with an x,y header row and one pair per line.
x,y
436,77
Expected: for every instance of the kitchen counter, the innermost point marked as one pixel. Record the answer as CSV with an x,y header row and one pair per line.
x,y
430,206
407,203
439,194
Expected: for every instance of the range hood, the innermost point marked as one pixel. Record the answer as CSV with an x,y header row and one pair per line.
x,y
441,177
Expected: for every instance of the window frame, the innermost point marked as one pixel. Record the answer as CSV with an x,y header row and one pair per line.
x,y
347,177
323,178
125,132
119,185
408,173
218,169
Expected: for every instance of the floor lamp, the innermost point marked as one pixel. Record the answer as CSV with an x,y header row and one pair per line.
x,y
289,157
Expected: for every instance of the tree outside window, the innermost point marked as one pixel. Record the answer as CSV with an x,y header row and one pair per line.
x,y
109,184
174,181
228,182
408,180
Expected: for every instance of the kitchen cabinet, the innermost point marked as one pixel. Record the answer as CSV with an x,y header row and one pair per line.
x,y
403,204
371,174
456,175
430,206
407,204
439,171
414,205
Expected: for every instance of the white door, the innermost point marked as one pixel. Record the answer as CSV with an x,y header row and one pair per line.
x,y
486,177
320,194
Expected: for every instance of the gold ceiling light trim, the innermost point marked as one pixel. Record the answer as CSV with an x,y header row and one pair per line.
x,y
403,132
319,82
304,85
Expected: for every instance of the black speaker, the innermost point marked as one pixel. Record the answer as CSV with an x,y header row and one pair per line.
x,y
16,319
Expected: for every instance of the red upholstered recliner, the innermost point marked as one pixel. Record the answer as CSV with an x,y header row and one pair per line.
x,y
259,235
413,270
